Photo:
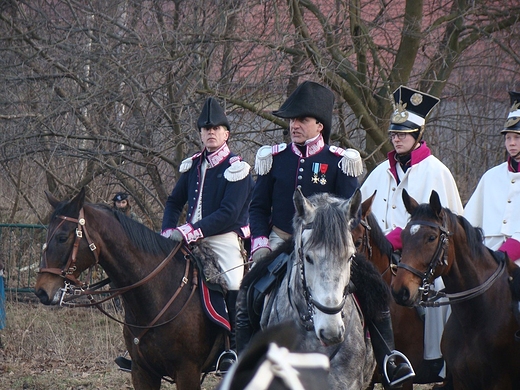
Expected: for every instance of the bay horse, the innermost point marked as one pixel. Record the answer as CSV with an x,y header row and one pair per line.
x,y
407,324
478,341
166,330
314,292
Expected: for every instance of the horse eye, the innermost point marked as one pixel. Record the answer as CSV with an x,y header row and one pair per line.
x,y
432,238
62,238
308,259
358,243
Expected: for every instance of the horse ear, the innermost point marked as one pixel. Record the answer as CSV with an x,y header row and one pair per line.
x,y
52,200
435,203
354,205
301,204
77,202
366,206
409,203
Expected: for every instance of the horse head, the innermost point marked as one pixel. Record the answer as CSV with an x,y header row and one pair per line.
x,y
63,257
324,249
425,254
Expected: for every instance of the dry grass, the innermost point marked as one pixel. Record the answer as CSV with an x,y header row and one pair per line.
x,y
58,348
62,349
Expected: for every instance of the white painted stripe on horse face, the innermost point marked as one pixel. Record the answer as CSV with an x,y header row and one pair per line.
x,y
414,229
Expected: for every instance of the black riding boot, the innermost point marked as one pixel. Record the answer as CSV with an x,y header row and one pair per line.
x,y
382,336
243,328
229,356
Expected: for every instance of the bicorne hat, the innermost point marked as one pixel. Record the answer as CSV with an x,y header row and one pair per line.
x,y
120,196
512,124
212,115
313,100
411,107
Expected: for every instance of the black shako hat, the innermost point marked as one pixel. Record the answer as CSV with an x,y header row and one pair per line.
x,y
310,99
512,124
411,107
212,115
120,196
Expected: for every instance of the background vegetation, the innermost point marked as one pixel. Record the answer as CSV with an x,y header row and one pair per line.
x,y
105,94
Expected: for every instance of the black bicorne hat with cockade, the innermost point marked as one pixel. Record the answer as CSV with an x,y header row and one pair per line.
x,y
212,115
313,100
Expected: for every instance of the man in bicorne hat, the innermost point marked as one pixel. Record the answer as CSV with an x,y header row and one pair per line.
x,y
495,203
216,184
411,166
309,163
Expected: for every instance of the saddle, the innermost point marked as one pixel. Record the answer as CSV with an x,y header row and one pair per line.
x,y
264,283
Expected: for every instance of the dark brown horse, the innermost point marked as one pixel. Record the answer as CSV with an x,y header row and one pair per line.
x,y
407,324
478,340
166,331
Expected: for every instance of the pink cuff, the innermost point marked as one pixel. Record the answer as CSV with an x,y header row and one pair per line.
x,y
259,242
395,238
189,233
512,248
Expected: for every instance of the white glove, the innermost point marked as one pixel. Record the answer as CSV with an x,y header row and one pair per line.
x,y
176,236
173,234
260,253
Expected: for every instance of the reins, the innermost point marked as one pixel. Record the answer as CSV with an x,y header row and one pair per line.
x,y
440,257
82,289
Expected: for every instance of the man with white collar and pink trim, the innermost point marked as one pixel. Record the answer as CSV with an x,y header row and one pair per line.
x,y
216,184
411,166
495,203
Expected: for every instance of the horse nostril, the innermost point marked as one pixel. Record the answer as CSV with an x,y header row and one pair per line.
x,y
42,295
402,296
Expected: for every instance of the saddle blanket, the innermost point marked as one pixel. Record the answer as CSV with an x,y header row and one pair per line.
x,y
214,305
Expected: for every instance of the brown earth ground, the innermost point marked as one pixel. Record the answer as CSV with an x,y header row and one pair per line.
x,y
57,348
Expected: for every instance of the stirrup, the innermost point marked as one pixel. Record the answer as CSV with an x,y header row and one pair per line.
x,y
397,381
225,361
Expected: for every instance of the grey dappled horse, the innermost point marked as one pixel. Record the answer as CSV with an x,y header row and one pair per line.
x,y
315,289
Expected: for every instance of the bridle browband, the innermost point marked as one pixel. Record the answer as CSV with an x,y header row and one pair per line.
x,y
440,253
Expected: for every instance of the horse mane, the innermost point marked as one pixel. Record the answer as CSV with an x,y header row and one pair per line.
x,y
327,214
371,290
377,236
454,222
141,236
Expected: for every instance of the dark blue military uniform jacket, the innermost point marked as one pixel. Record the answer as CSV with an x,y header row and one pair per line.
x,y
313,168
225,201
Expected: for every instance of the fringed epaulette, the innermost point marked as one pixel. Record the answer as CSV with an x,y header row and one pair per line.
x,y
187,163
238,169
264,157
350,163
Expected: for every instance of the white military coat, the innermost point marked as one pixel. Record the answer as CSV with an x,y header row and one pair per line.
x,y
495,204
